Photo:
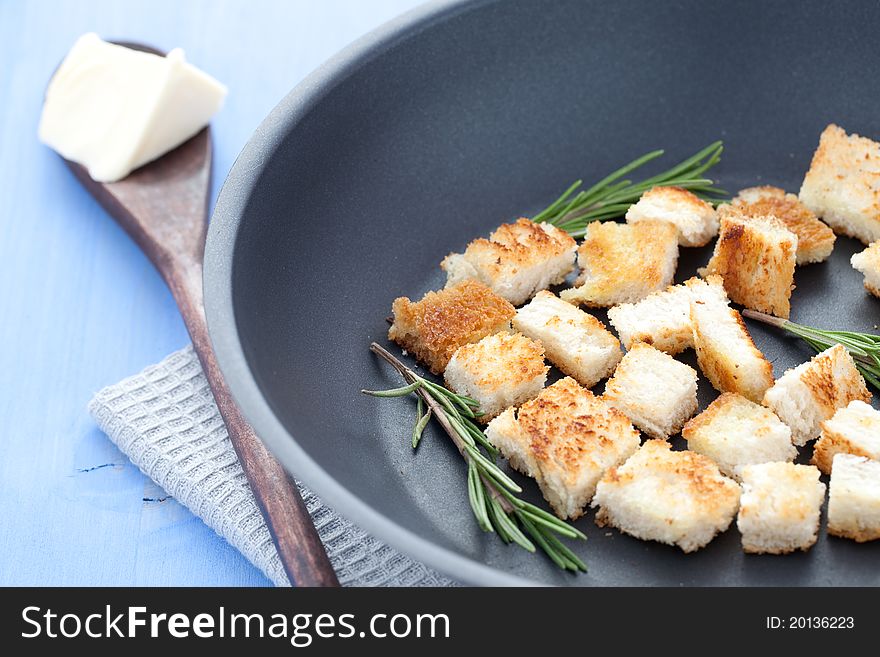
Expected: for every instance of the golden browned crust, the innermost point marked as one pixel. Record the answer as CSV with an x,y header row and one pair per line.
x,y
841,183
683,198
625,262
520,244
815,239
831,391
749,549
832,443
433,328
721,368
568,428
857,535
505,359
690,473
756,257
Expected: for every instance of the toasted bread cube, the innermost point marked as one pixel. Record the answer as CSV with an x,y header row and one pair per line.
x,y
868,262
499,371
815,239
735,432
854,429
779,508
854,498
622,263
694,218
756,257
678,498
575,341
662,319
655,391
726,353
566,439
841,185
811,393
433,328
516,261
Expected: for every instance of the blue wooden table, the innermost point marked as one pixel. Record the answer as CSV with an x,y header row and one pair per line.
x,y
81,308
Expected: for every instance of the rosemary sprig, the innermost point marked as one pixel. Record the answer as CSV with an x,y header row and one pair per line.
x,y
611,196
491,492
864,347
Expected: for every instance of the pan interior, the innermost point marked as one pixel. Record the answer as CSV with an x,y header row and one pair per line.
x,y
487,113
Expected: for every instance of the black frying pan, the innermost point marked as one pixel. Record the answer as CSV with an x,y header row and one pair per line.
x,y
451,120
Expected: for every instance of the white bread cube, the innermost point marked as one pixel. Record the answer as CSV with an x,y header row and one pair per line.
x,y
811,393
726,353
868,262
662,319
575,341
841,185
815,239
499,371
516,261
780,507
735,432
694,218
655,391
566,439
854,429
854,498
433,328
756,257
622,263
678,498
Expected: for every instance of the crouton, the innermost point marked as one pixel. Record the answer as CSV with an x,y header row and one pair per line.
x,y
576,342
516,261
735,432
726,353
694,218
655,391
841,185
433,328
566,439
678,498
815,239
810,393
854,429
854,498
622,263
779,507
868,262
499,371
662,319
756,257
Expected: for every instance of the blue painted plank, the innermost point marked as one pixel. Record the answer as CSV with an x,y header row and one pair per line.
x,y
81,308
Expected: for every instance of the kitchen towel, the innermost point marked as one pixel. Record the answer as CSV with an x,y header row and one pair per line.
x,y
165,420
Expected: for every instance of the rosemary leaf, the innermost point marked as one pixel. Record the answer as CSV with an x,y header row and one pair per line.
x,y
539,538
421,423
394,392
565,551
611,197
491,492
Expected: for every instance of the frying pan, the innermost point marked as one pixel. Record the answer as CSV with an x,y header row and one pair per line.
x,y
451,120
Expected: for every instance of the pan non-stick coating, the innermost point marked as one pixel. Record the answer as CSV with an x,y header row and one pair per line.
x,y
458,117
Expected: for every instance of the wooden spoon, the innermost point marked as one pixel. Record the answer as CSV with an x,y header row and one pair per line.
x,y
163,206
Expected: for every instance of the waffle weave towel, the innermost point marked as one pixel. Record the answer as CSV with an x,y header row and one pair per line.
x,y
165,420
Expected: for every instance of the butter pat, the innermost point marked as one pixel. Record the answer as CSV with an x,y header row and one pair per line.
x,y
113,109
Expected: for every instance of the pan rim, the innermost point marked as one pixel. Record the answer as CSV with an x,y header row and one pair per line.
x,y
223,233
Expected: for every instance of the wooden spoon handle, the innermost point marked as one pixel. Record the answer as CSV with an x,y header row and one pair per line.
x,y
295,537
